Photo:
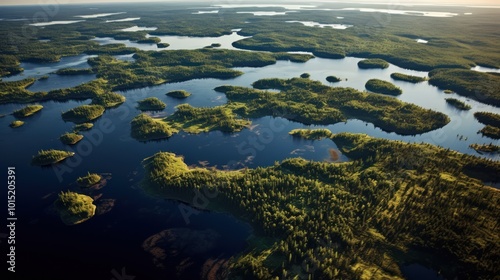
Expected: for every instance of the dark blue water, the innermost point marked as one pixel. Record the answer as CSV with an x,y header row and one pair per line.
x,y
417,271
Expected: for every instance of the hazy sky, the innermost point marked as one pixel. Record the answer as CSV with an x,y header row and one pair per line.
x,y
446,2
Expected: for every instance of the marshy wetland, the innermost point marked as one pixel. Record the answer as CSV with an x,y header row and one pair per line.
x,y
209,155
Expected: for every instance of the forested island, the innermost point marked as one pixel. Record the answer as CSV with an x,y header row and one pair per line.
x,y
70,138
384,87
88,180
27,111
48,157
311,102
16,124
458,104
311,134
375,63
151,104
407,78
74,208
181,94
188,119
341,217
83,113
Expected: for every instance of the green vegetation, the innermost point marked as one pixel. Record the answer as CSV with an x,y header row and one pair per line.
x,y
407,78
70,138
384,87
333,79
311,102
488,118
74,208
479,86
44,77
491,131
181,94
448,91
163,45
88,180
150,40
82,127
458,104
108,99
311,134
48,157
11,91
405,202
197,120
305,75
27,111
189,119
145,128
83,113
75,71
16,123
151,104
375,63
215,45
483,148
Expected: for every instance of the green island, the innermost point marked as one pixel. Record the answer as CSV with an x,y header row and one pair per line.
x,y
310,102
384,87
215,45
44,77
189,119
482,87
181,94
408,78
74,208
82,127
27,111
150,40
16,124
375,63
305,75
485,148
205,119
488,118
311,134
108,99
146,128
70,138
333,79
75,71
458,104
448,91
83,113
491,131
340,218
88,180
151,104
48,157
163,45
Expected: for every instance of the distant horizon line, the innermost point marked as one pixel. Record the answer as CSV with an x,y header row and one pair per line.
x,y
280,3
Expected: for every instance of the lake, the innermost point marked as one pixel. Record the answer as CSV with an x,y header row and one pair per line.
x,y
112,240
